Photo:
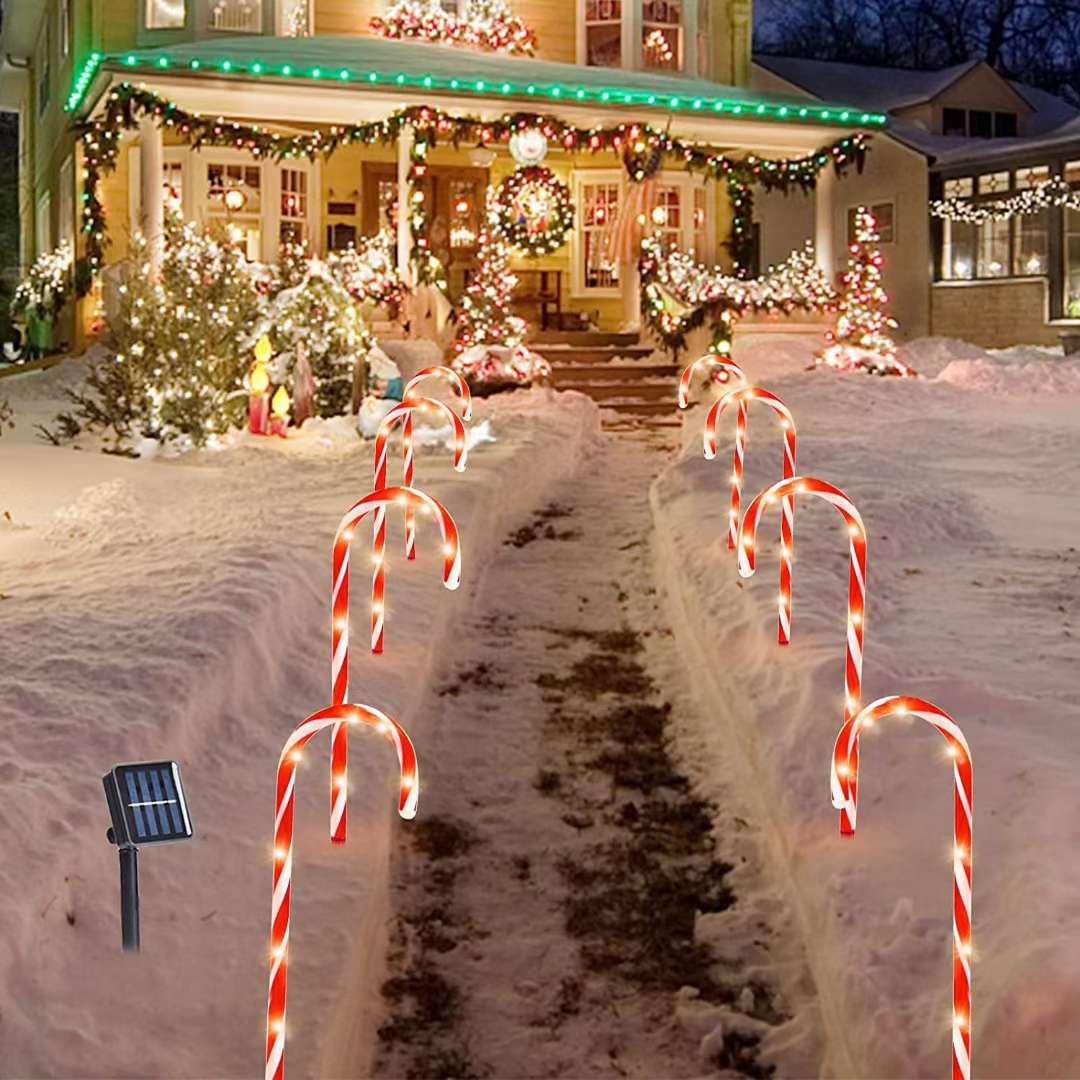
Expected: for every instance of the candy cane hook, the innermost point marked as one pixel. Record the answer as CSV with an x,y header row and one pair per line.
x,y
744,395
857,547
403,412
339,627
281,903
844,779
728,366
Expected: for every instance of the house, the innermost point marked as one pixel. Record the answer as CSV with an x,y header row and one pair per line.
x,y
976,185
370,122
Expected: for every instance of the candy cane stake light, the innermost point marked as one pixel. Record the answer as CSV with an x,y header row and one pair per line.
x,y
844,781
856,610
339,627
461,388
744,395
727,365
403,414
281,903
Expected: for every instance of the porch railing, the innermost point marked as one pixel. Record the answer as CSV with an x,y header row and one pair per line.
x,y
236,16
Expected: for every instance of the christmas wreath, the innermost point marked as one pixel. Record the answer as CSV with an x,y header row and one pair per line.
x,y
534,210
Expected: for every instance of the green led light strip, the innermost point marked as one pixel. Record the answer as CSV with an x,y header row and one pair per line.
x,y
610,95
82,80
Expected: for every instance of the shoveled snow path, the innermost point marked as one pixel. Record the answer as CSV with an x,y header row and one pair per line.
x,y
588,571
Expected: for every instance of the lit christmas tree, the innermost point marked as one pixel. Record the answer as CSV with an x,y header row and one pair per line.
x,y
488,348
489,25
861,341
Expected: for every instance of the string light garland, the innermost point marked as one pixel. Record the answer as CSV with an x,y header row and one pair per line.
x,y
861,340
343,716
367,270
127,103
679,295
488,25
45,288
856,608
533,211
743,395
844,779
1050,193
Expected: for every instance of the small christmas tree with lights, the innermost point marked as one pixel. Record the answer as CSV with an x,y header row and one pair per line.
x,y
861,340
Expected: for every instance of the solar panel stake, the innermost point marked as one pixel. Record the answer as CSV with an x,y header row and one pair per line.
x,y
129,898
147,804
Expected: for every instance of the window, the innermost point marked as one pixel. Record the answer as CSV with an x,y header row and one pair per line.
x,y
1005,125
172,179
165,14
954,122
992,254
340,236
661,34
236,16
294,206
234,196
885,216
63,29
598,201
1072,263
603,33
980,123
667,216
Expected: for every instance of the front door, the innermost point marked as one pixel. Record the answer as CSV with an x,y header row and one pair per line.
x,y
454,197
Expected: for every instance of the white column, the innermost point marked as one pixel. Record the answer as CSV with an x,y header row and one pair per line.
x,y
404,236
825,220
631,35
151,180
630,284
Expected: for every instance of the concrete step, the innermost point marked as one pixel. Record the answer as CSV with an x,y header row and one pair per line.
x,y
571,374
589,354
604,392
582,338
642,408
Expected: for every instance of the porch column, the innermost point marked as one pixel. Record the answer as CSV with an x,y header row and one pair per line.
x,y
825,221
152,191
404,236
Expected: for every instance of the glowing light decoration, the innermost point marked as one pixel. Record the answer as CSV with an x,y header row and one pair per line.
x,y
533,210
259,386
528,147
726,367
743,395
489,25
1049,193
383,499
338,715
856,607
279,408
844,781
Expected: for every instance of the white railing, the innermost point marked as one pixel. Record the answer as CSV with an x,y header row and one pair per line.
x,y
236,16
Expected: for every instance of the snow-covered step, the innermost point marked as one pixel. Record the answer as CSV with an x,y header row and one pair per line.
x,y
575,374
562,353
603,392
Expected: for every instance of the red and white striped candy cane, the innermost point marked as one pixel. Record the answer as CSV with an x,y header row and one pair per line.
x,y
856,611
744,395
403,414
844,781
727,365
408,793
339,627
461,388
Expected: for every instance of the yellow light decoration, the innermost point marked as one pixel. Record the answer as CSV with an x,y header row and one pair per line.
x,y
260,378
263,351
279,403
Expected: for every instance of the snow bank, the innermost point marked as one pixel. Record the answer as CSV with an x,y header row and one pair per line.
x,y
973,586
179,608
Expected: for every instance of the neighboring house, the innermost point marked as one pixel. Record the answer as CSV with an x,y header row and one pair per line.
x,y
292,65
987,145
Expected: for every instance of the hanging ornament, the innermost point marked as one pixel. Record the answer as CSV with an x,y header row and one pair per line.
x,y
534,211
529,147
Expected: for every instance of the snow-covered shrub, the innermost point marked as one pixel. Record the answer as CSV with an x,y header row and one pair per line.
x,y
46,287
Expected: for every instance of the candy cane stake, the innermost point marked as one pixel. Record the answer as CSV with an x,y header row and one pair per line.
x,y
856,612
403,413
339,628
280,908
728,366
461,388
744,395
844,781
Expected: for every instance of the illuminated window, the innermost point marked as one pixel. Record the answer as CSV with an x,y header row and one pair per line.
x,y
598,201
165,14
603,33
667,217
236,16
234,196
661,34
294,206
172,179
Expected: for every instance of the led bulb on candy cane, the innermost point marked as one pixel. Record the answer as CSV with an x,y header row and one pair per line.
x,y
728,366
379,500
844,780
337,716
743,395
856,610
461,389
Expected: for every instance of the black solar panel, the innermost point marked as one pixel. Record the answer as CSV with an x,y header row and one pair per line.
x,y
151,802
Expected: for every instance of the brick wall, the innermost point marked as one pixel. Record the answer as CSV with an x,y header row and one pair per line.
x,y
993,314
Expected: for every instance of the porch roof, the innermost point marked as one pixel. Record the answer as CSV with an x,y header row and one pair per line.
x,y
375,64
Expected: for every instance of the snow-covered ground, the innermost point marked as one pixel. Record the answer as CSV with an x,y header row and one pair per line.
x,y
179,608
967,482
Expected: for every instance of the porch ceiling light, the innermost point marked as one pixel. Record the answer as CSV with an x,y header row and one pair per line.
x,y
761,108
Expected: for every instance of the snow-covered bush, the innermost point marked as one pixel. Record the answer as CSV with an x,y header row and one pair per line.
x,y
46,287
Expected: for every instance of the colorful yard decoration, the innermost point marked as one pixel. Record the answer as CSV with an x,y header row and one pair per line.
x,y
533,210
382,499
856,609
844,782
743,395
338,715
725,364
259,389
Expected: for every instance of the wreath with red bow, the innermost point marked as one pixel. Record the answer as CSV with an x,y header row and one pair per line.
x,y
534,210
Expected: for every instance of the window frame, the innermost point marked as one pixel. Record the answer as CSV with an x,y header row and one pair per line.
x,y
632,39
146,7
581,178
